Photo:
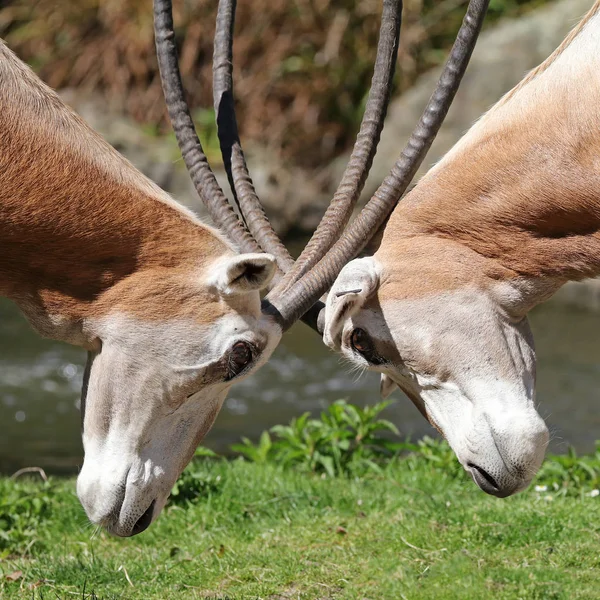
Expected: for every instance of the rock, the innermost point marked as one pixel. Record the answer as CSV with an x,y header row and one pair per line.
x,y
501,58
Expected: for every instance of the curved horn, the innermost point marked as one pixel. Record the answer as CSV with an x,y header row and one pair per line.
x,y
297,300
353,180
204,180
242,187
231,148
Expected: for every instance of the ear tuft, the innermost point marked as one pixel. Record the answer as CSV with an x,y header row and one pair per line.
x,y
241,274
355,284
386,386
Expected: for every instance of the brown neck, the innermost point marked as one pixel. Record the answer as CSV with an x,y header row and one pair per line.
x,y
535,222
75,216
523,186
66,239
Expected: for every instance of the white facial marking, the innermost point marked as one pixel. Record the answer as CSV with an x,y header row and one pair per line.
x,y
154,390
474,369
467,364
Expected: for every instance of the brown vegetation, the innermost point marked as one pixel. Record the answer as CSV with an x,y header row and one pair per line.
x,y
302,69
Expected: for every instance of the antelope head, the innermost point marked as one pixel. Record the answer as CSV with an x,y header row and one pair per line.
x,y
496,227
154,384
438,323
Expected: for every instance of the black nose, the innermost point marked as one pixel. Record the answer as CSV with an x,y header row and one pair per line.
x,y
144,521
487,483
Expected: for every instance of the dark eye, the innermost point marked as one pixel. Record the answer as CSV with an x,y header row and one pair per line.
x,y
239,358
361,343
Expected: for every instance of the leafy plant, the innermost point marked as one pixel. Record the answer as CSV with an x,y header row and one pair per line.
x,y
258,453
23,506
196,481
570,473
436,452
345,439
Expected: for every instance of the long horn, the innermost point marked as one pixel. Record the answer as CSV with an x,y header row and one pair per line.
x,y
203,178
297,300
340,209
233,156
241,183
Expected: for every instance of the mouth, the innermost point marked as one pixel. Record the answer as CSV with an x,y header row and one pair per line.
x,y
115,528
144,521
487,483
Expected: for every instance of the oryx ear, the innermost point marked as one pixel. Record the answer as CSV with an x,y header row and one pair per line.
x,y
355,284
233,275
387,386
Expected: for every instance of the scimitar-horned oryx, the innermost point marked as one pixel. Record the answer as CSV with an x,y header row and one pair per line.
x,y
169,309
506,218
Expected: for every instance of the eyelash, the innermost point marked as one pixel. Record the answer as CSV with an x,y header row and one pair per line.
x,y
229,364
249,350
375,360
369,355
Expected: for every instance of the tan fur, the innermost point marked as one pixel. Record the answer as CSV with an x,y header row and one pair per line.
x,y
82,231
544,66
523,186
432,265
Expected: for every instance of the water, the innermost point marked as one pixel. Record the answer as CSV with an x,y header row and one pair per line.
x,y
40,382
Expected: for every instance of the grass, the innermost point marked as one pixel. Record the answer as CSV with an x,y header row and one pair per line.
x,y
416,527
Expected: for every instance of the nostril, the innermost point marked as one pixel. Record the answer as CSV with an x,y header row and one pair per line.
x,y
486,476
144,521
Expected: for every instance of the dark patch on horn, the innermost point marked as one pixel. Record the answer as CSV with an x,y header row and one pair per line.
x,y
340,294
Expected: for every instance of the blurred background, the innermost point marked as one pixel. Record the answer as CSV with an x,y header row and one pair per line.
x,y
302,70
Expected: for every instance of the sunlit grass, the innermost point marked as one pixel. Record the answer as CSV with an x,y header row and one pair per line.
x,y
417,529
